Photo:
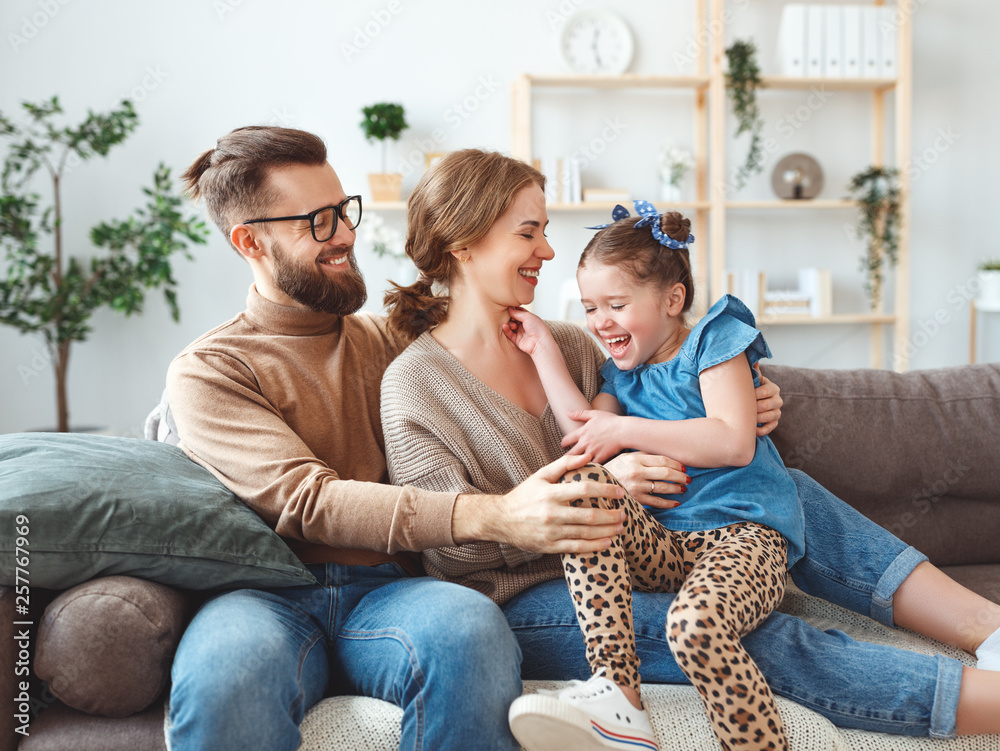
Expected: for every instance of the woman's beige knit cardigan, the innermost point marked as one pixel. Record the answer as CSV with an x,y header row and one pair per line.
x,y
445,430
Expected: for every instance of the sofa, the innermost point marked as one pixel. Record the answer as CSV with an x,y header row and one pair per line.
x,y
919,453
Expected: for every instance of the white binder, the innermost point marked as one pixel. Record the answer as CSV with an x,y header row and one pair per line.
x,y
871,65
851,38
833,48
792,41
815,34
887,35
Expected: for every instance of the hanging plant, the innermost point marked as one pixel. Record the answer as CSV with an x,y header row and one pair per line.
x,y
877,192
742,83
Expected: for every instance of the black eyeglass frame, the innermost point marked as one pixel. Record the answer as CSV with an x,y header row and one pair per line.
x,y
338,213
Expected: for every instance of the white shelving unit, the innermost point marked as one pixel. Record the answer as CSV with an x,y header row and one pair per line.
x,y
711,209
878,89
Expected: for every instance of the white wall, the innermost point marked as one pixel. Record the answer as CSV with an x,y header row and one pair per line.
x,y
198,68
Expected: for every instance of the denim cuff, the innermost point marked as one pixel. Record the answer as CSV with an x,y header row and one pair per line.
x,y
949,683
889,582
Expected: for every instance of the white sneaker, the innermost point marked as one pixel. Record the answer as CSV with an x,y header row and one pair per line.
x,y
586,716
988,654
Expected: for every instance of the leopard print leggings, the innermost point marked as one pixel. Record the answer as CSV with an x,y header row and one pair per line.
x,y
727,581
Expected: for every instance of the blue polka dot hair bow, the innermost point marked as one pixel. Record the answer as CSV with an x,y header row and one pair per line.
x,y
650,218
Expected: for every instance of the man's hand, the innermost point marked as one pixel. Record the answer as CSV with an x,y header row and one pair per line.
x,y
768,405
644,474
537,516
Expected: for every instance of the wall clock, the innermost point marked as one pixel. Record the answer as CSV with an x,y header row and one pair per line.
x,y
597,41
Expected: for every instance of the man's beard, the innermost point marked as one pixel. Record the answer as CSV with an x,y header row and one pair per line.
x,y
341,295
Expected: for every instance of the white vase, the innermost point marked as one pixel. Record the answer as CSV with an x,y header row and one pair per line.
x,y
669,193
989,291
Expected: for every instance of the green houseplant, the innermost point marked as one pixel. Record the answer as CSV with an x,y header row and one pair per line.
x,y
742,82
382,122
44,290
876,190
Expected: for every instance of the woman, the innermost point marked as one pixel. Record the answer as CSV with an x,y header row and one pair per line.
x,y
464,410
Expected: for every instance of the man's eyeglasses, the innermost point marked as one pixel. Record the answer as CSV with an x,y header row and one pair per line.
x,y
323,222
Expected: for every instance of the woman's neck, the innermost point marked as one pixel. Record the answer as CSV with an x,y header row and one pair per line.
x,y
472,322
473,334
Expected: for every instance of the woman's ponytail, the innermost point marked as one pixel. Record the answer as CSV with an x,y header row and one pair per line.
x,y
414,309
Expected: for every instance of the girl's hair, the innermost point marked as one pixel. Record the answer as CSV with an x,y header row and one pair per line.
x,y
635,251
455,204
233,177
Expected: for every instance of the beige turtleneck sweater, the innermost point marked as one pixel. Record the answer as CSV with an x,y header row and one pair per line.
x,y
282,405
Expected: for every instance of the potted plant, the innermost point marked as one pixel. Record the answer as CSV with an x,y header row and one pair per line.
x,y
876,191
989,285
381,122
44,290
742,82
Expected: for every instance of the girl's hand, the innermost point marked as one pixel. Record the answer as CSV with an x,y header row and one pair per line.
x,y
527,331
597,437
643,474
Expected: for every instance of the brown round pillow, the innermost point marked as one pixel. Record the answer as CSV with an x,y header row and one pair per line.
x,y
105,646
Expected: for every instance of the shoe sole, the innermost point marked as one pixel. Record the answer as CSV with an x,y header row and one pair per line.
x,y
543,723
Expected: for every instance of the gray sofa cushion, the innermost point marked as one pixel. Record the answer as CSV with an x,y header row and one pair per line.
x,y
105,647
918,452
98,505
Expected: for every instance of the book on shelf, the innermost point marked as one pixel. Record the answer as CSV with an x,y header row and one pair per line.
x,y
551,169
833,43
572,187
812,297
792,41
824,40
870,49
562,178
748,286
887,32
851,40
815,37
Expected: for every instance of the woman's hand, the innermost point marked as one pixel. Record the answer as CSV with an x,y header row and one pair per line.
x,y
527,331
644,474
597,438
769,404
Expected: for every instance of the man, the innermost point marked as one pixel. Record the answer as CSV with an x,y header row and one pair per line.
x,y
282,404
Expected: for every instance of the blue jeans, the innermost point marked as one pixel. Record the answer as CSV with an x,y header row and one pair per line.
x,y
849,561
252,661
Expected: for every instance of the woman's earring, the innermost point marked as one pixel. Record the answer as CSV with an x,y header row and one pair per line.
x,y
463,259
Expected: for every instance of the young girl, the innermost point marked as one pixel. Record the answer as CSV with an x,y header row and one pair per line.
x,y
687,393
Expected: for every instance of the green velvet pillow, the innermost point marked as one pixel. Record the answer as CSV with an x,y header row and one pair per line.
x,y
99,505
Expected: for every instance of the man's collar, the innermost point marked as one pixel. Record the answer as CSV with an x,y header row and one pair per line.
x,y
287,320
